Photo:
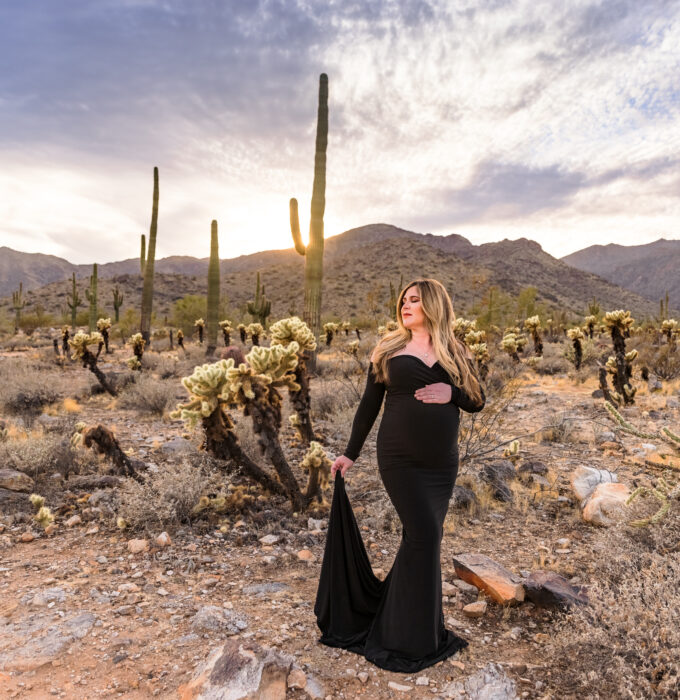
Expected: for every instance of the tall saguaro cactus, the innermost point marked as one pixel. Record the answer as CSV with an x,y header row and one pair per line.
x,y
73,301
261,307
142,255
147,291
213,291
118,297
313,251
91,296
18,304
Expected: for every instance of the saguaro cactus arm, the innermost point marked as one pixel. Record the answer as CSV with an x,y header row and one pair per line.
x,y
295,227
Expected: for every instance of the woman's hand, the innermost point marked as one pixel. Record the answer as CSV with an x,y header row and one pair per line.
x,y
434,393
342,463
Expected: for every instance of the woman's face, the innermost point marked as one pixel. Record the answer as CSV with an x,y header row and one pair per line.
x,y
412,315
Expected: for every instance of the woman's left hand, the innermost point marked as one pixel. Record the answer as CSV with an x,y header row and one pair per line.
x,y
434,393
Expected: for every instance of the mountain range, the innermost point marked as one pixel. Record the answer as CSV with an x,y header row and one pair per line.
x,y
359,265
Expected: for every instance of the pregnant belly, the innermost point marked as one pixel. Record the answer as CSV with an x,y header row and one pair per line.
x,y
415,431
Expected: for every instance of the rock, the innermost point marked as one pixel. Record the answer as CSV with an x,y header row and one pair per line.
x,y
527,471
672,403
548,589
14,480
496,474
210,618
597,394
585,479
605,436
482,571
463,497
261,589
306,555
50,529
73,521
653,384
607,504
363,676
297,678
29,645
489,683
240,669
401,687
163,540
476,609
128,588
465,587
448,588
27,537
422,680
316,524
137,546
269,539
178,446
49,595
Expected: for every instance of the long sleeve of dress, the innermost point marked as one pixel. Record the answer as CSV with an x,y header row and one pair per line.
x,y
367,412
462,400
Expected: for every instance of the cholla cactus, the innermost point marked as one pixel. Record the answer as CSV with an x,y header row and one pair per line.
x,y
103,326
206,387
330,329
620,365
79,344
199,324
345,326
666,491
44,517
512,451
670,329
509,344
318,466
137,342
180,339
533,325
255,331
387,328
226,332
65,335
462,326
576,336
242,332
37,501
481,353
286,331
590,322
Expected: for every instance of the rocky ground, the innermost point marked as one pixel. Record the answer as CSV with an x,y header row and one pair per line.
x,y
88,611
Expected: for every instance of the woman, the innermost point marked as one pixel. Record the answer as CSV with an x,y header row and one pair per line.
x,y
427,375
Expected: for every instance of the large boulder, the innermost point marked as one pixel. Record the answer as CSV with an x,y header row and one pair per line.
x,y
495,580
13,480
584,480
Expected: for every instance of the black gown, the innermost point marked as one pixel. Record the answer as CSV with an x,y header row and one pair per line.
x,y
398,623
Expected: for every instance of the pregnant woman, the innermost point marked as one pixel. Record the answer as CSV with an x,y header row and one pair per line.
x,y
426,375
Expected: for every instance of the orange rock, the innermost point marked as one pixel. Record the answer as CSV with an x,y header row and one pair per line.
x,y
482,571
606,504
306,555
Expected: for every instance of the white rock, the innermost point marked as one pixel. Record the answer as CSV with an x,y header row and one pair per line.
x,y
269,539
585,479
392,685
163,540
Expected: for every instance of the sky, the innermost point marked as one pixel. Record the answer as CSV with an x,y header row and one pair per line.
x,y
558,122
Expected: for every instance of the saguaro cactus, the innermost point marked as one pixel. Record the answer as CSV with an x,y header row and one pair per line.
x,y
91,296
73,301
313,251
261,307
142,255
117,301
213,291
147,291
18,304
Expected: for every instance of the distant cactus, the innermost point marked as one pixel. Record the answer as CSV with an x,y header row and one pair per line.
x,y
252,387
103,326
180,339
533,325
509,345
147,290
199,325
65,335
213,291
226,332
142,256
620,365
394,293
512,451
261,307
117,301
44,514
73,300
242,332
284,332
461,327
18,304
255,331
329,329
590,322
389,326
313,252
79,344
91,296
137,342
345,326
669,327
576,336
358,332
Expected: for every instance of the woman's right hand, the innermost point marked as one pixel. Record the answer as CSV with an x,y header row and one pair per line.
x,y
342,464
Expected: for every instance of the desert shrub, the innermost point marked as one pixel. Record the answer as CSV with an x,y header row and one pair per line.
x,y
24,390
164,365
328,397
591,353
39,455
150,395
166,498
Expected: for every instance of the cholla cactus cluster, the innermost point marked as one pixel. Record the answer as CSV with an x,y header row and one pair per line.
x,y
226,328
619,365
345,326
533,325
292,329
44,514
329,329
619,319
462,326
318,466
199,325
669,327
590,322
255,331
387,328
511,344
180,339
80,342
512,451
577,337
242,332
138,343
103,326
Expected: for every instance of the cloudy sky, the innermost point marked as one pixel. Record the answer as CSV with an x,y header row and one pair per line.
x,y
555,121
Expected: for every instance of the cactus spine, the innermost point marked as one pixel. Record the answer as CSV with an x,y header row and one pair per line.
x,y
117,301
147,292
73,301
142,255
18,304
261,307
313,252
213,291
91,296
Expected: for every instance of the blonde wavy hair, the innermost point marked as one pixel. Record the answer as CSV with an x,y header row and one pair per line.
x,y
450,352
